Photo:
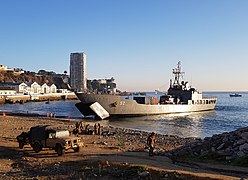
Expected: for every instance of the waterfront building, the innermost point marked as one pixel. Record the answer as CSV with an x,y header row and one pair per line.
x,y
53,88
19,87
78,80
22,87
28,87
35,88
105,86
45,89
6,91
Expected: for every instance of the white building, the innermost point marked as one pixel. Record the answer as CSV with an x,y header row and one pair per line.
x,y
35,88
53,88
22,88
6,91
18,87
45,88
28,88
3,68
78,71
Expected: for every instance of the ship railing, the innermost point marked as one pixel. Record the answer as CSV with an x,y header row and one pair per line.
x,y
209,97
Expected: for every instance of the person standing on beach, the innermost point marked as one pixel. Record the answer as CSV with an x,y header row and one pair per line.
x,y
99,129
151,140
96,129
4,115
50,115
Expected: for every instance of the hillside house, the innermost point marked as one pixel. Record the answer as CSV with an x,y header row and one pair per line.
x,y
3,68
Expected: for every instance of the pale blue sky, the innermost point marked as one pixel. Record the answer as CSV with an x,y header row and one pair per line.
x,y
137,42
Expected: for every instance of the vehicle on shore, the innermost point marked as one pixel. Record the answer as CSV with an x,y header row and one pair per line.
x,y
40,137
23,139
180,98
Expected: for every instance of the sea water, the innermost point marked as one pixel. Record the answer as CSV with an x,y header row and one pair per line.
x,y
230,114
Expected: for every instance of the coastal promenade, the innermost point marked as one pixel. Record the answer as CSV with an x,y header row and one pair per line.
x,y
20,98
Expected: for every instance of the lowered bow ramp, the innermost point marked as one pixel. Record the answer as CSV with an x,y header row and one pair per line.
x,y
99,110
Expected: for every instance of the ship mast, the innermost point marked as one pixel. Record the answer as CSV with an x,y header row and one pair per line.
x,y
178,74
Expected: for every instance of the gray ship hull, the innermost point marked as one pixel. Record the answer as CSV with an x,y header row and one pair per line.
x,y
118,106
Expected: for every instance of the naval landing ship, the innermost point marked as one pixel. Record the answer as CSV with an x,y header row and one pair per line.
x,y
180,98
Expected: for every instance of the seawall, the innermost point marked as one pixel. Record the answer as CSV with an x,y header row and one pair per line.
x,y
12,99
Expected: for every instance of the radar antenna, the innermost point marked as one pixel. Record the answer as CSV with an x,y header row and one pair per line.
x,y
178,74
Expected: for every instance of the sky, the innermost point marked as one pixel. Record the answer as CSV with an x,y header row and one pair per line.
x,y
136,42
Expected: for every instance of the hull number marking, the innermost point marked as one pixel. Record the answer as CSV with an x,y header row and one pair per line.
x,y
122,103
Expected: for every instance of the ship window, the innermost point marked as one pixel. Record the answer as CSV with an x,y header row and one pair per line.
x,y
206,101
192,101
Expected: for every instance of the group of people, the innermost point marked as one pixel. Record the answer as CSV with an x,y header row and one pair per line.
x,y
85,128
51,115
82,128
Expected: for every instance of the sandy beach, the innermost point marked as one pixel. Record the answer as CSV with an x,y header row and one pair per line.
x,y
118,154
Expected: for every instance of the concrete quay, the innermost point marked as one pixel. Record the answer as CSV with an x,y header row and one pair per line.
x,y
12,99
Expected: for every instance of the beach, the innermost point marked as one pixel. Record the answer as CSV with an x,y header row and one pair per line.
x,y
118,154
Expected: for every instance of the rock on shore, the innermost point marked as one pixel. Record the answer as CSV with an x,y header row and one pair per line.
x,y
164,143
228,146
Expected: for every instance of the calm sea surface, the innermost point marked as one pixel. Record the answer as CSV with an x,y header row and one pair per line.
x,y
230,113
